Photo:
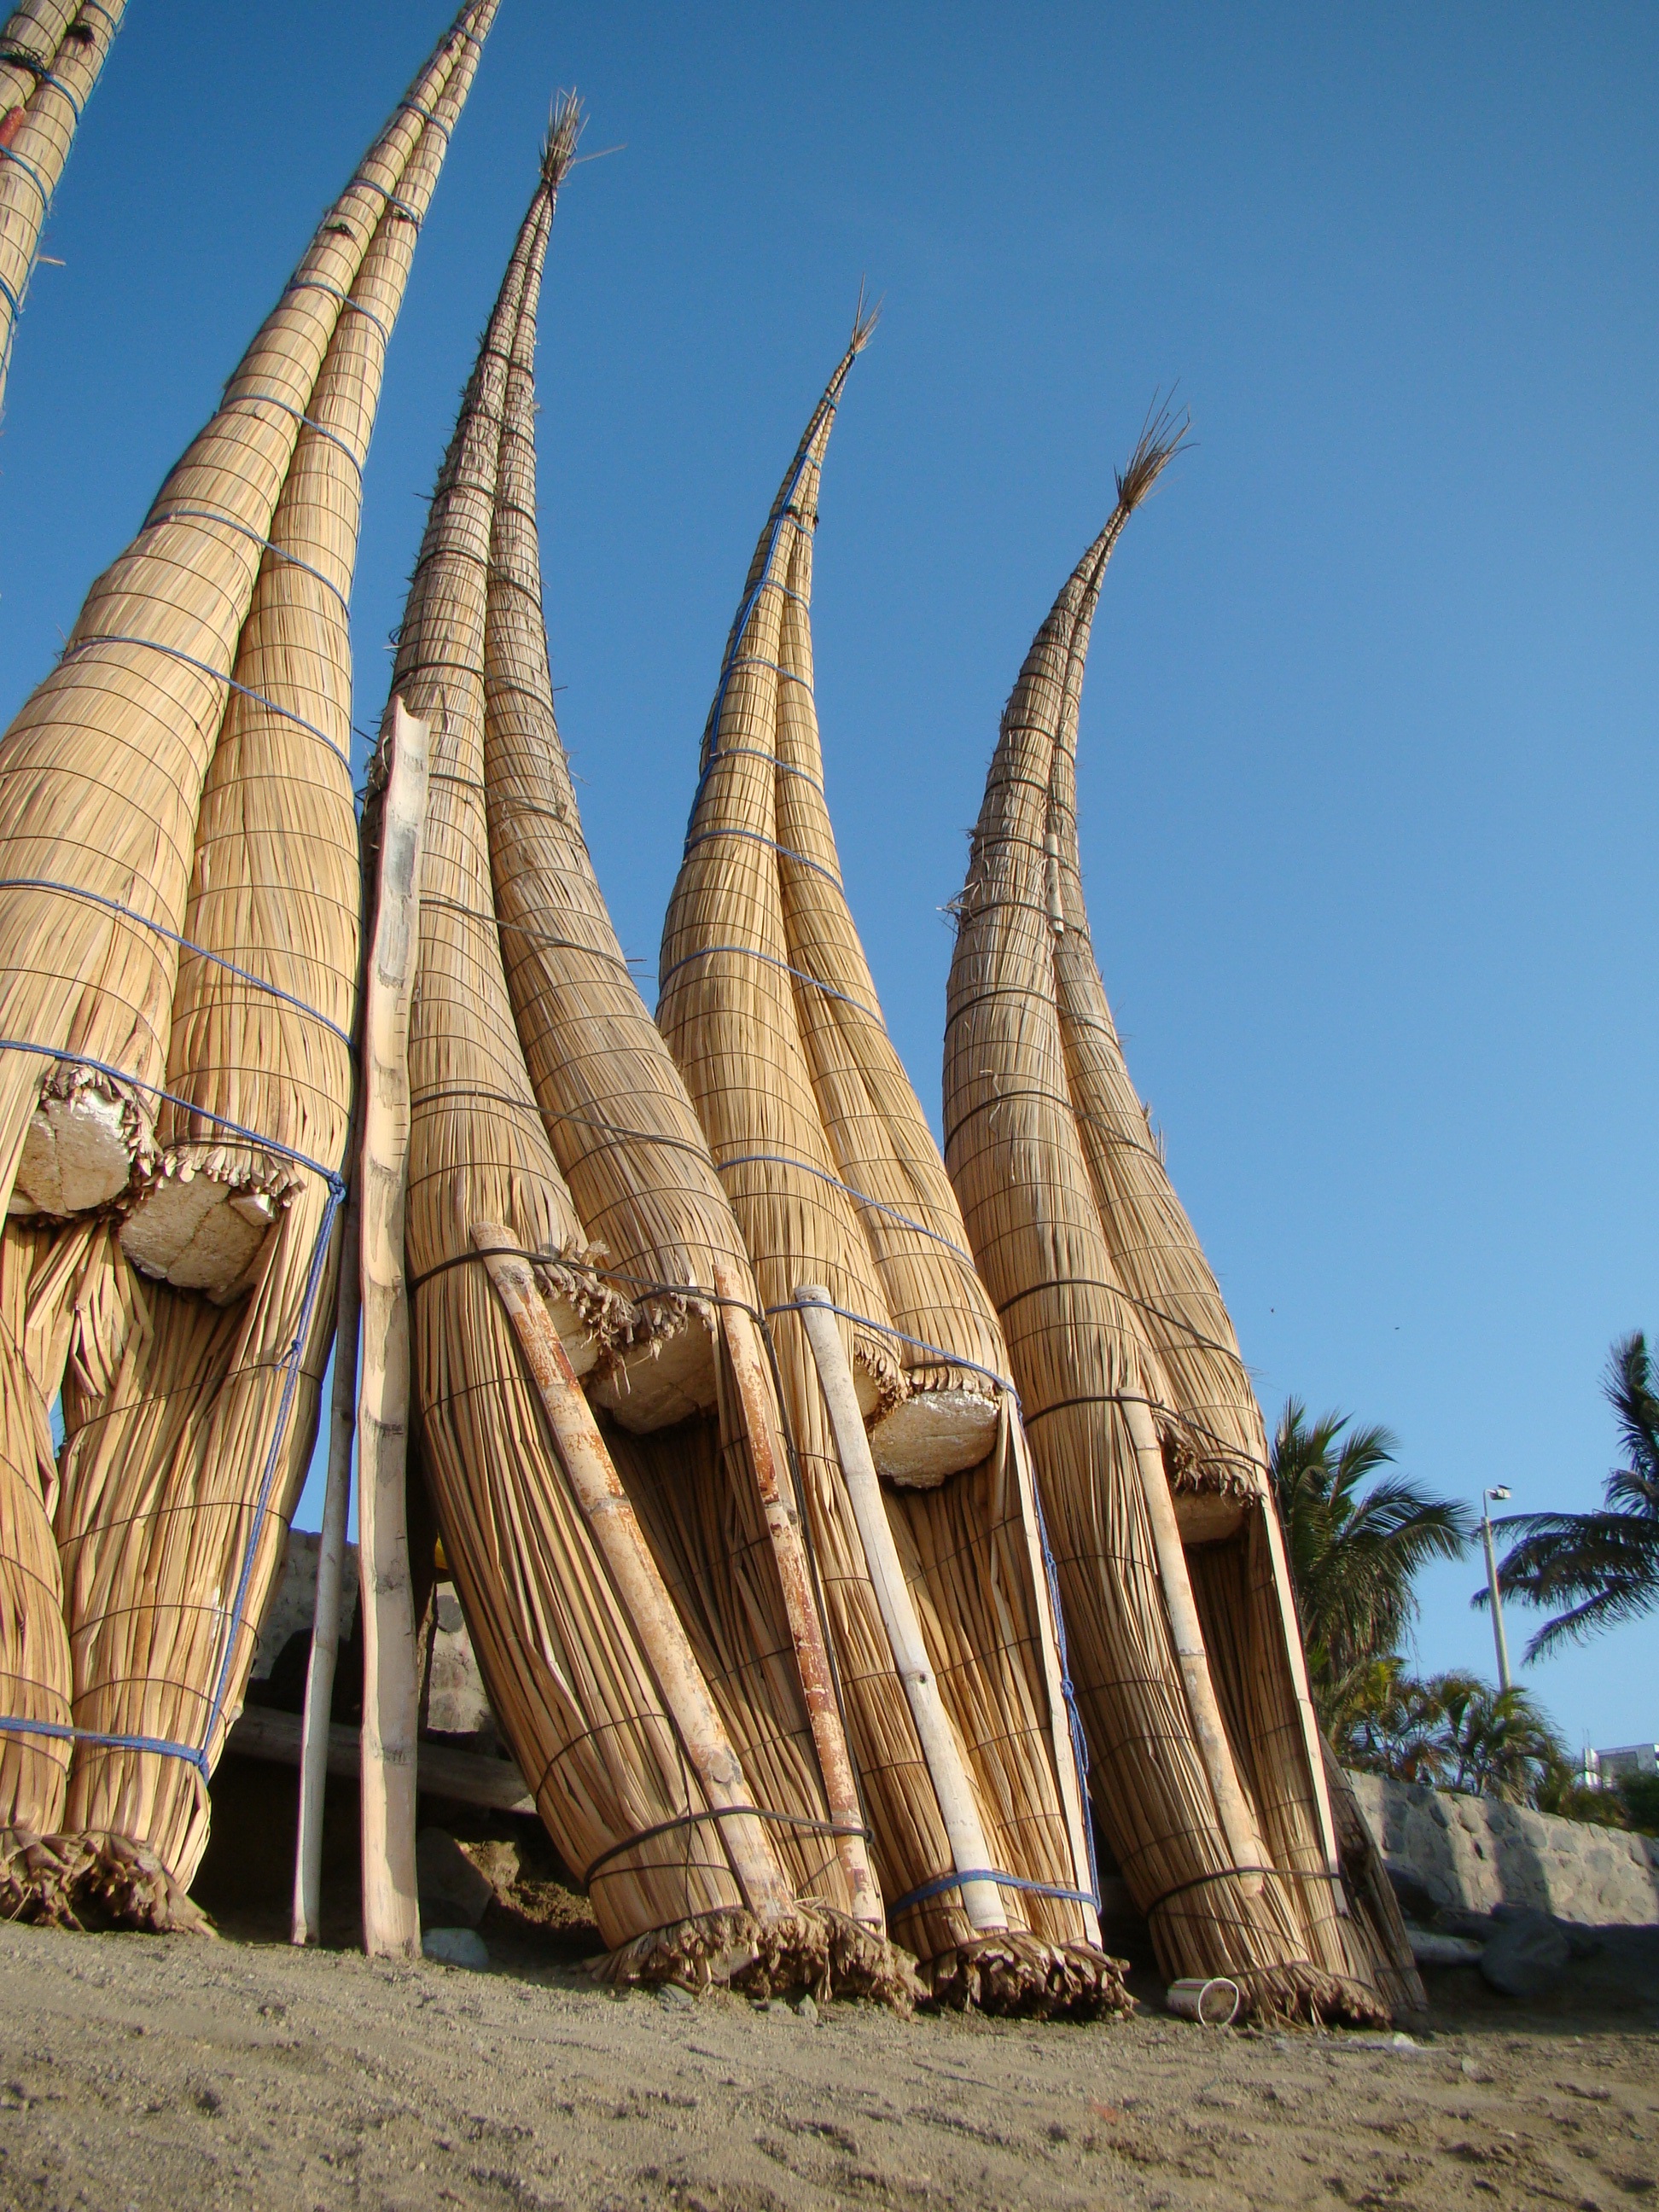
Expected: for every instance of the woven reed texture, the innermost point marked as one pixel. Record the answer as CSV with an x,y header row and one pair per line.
x,y
769,1008
36,1681
1258,1667
100,785
194,1511
1220,1445
558,1652
1018,1144
623,1130
638,1173
51,57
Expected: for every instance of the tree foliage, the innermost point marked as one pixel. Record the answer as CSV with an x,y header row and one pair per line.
x,y
1353,1551
1596,1570
1452,1730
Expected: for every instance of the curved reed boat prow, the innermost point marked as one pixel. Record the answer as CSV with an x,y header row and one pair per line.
x,y
178,965
597,1425
1147,1439
916,1482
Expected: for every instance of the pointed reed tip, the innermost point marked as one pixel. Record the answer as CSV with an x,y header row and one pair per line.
x,y
1162,435
864,323
565,124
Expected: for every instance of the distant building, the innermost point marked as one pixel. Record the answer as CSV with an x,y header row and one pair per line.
x,y
1606,1769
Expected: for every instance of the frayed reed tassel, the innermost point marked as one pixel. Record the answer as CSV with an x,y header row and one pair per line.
x,y
1018,1977
814,1949
86,1881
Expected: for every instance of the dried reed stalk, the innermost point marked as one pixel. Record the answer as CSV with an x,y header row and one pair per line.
x,y
392,1912
52,52
1185,1748
1240,1580
590,1725
187,1431
769,1008
691,1434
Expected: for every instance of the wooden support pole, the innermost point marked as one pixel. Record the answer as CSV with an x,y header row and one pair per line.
x,y
1237,1821
962,1826
806,1627
610,1515
392,1916
1059,1718
331,1556
1268,1531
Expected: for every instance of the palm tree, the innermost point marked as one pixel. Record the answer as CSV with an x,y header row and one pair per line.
x,y
1602,1568
1384,1720
1497,1742
1353,1553
1453,1731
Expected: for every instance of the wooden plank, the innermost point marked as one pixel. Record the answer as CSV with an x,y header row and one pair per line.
x,y
325,1619
391,1915
1186,1634
469,1776
1060,1717
617,1533
957,1808
805,1628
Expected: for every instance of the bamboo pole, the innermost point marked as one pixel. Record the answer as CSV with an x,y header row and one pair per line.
x,y
331,1556
617,1533
1188,1637
391,1919
805,1628
1313,1744
1059,1718
980,1900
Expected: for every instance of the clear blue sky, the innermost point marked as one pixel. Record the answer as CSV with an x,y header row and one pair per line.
x,y
1368,781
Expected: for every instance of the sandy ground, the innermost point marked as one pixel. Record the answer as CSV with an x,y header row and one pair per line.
x,y
180,2073
177,2072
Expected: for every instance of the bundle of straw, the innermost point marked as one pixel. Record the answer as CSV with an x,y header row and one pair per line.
x,y
640,1177
51,54
178,921
770,1009
1217,1446
594,1655
1206,1788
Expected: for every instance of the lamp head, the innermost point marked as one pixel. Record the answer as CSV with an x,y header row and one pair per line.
x,y
1501,1492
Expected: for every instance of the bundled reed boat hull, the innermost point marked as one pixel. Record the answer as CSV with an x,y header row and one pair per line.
x,y
615,1567
924,1528
51,54
1187,1673
158,933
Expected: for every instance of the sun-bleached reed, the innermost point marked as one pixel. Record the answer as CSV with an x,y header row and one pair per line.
x,y
588,1663
200,659
1194,1753
769,1005
640,1176
52,52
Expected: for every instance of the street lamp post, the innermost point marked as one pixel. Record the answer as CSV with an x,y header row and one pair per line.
x,y
1497,1635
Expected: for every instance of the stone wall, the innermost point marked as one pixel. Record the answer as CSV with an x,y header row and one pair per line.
x,y
1475,1853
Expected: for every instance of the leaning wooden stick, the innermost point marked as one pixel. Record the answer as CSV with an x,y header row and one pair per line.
x,y
1237,1820
617,1532
980,1900
805,1628
1269,1533
391,1919
330,1559
1062,1719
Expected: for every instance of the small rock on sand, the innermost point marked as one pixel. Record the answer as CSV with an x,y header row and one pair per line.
x,y
457,1946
